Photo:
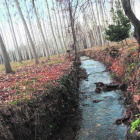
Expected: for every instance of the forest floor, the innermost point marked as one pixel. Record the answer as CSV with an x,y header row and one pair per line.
x,y
31,80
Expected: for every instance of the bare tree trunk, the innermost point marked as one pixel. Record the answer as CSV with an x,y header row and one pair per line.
x,y
87,28
102,40
103,20
23,51
28,46
95,30
61,29
46,34
42,34
31,29
7,65
66,24
59,37
52,29
14,36
27,30
37,38
102,14
92,32
4,36
72,27
129,13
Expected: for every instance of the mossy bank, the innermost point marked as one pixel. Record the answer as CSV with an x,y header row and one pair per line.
x,y
42,118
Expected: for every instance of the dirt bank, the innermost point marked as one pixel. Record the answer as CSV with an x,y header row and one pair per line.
x,y
43,117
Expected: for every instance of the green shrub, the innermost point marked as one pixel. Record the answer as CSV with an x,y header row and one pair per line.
x,y
135,124
121,26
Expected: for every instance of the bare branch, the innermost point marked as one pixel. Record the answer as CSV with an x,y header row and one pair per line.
x,y
75,9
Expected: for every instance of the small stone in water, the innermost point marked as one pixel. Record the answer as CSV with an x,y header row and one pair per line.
x,y
98,125
96,101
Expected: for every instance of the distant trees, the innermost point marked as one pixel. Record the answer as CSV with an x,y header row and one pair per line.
x,y
47,30
34,29
41,31
52,29
28,33
72,23
121,26
58,31
13,34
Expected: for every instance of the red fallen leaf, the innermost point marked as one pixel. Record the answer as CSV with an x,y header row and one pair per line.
x,y
73,109
34,76
7,98
23,88
136,98
40,89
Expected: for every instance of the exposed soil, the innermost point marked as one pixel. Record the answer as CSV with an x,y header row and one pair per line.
x,y
51,116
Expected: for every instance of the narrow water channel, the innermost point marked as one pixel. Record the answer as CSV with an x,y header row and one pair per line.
x,y
98,119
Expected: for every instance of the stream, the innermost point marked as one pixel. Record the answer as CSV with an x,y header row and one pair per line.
x,y
98,119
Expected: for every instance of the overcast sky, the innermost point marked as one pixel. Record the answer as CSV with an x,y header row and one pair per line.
x,y
137,6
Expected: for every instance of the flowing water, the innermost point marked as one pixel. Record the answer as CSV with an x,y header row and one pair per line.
x,y
98,119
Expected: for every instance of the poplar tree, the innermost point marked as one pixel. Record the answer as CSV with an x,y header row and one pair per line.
x,y
7,65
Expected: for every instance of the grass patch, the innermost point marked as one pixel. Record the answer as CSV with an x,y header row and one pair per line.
x,y
16,65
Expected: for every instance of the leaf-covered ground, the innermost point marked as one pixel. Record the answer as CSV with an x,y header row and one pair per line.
x,y
31,80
